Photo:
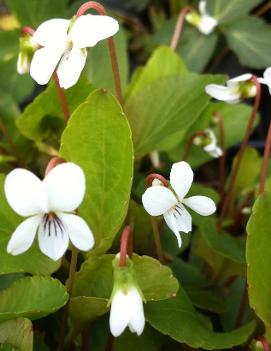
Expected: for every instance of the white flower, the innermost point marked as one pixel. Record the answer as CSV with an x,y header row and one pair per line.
x,y
64,46
235,90
209,143
159,200
127,311
48,205
203,21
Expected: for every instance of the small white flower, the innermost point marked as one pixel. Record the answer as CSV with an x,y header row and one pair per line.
x,y
209,143
235,90
127,311
48,205
203,21
64,46
159,200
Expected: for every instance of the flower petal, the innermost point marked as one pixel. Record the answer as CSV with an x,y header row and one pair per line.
x,y
78,231
222,93
181,178
158,199
120,313
201,204
53,238
179,220
242,78
25,193
266,78
52,32
207,24
88,30
202,7
213,150
44,63
137,320
24,235
71,66
65,187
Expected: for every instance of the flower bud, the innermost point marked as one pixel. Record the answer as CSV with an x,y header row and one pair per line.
x,y
27,50
126,300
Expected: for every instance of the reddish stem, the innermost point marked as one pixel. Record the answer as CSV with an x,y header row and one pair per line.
x,y
179,27
222,160
240,154
267,150
265,343
27,30
150,178
53,163
242,309
111,45
190,144
126,245
62,98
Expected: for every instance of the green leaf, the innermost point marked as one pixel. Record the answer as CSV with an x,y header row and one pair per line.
x,y
177,318
9,44
94,307
18,333
18,86
259,257
224,244
164,57
249,39
33,12
215,256
207,300
32,261
39,296
105,153
155,280
181,101
95,278
235,119
44,114
248,172
99,68
191,43
190,275
227,10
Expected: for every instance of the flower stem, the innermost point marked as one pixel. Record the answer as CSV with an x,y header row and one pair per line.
x,y
69,289
189,144
53,163
157,240
222,160
240,154
62,98
8,138
264,342
126,245
150,178
179,27
262,10
111,45
267,150
242,308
